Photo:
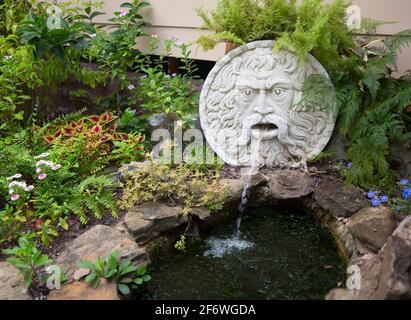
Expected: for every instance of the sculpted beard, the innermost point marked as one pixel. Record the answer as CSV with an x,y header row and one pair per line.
x,y
240,141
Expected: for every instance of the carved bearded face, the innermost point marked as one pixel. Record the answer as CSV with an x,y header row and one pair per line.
x,y
248,108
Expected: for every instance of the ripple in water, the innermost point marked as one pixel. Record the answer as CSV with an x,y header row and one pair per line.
x,y
221,247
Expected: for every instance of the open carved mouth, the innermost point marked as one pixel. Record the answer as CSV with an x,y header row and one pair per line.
x,y
264,131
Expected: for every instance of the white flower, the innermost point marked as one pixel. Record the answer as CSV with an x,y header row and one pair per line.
x,y
20,184
11,191
49,164
29,188
16,176
93,35
43,155
123,13
7,57
155,36
38,170
56,167
131,87
39,163
44,162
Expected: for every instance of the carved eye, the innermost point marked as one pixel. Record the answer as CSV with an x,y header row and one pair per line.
x,y
278,92
247,93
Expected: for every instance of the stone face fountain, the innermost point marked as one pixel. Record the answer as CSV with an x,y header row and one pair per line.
x,y
251,113
253,93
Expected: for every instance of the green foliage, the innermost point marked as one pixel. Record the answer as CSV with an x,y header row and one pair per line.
x,y
232,21
372,107
160,93
178,184
122,272
300,26
116,51
11,13
181,244
129,121
94,194
17,75
36,32
42,201
28,259
91,143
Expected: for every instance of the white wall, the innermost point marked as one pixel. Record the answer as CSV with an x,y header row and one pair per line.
x,y
178,18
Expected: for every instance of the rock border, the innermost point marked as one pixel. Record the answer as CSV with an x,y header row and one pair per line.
x,y
371,240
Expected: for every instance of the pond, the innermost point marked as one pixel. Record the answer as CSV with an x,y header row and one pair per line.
x,y
278,255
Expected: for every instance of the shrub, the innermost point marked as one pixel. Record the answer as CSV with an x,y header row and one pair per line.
x,y
300,26
177,185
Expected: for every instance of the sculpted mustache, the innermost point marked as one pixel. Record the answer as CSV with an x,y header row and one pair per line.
x,y
255,119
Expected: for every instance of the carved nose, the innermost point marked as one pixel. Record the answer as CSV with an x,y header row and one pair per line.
x,y
261,104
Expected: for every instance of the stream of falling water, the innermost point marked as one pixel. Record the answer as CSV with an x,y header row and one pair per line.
x,y
220,247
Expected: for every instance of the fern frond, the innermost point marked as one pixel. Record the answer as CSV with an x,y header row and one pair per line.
x,y
399,41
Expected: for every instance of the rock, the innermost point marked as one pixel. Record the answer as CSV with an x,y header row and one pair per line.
x,y
119,174
147,221
236,186
107,290
372,226
401,158
395,279
339,294
387,275
11,284
290,184
343,238
332,197
99,241
202,213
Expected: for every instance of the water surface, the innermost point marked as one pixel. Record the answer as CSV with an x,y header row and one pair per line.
x,y
278,255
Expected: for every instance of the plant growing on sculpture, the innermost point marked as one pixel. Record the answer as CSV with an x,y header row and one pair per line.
x,y
121,272
29,260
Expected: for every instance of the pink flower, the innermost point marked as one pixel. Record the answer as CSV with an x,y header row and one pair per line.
x,y
42,176
15,197
123,13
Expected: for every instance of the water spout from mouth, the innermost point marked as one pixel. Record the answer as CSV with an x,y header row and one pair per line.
x,y
255,152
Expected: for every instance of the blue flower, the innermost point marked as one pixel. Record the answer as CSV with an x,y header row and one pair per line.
x,y
384,199
375,202
398,208
370,194
406,194
404,182
349,164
